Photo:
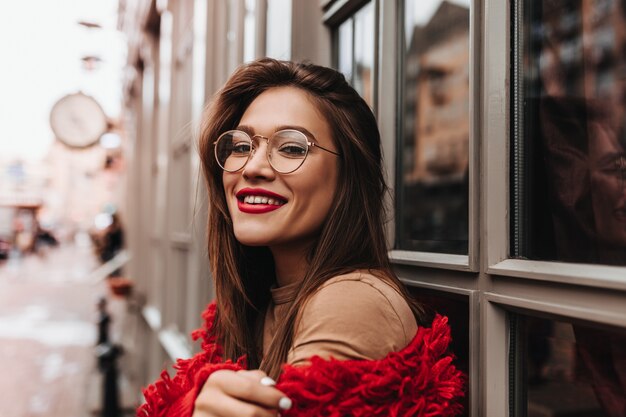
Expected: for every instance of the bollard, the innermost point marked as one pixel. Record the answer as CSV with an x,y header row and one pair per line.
x,y
106,355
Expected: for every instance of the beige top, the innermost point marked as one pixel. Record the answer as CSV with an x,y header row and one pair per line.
x,y
352,316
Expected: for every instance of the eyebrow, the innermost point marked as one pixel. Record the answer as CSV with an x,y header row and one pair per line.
x,y
250,130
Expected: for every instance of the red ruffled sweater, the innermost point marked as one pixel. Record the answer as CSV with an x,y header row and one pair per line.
x,y
420,380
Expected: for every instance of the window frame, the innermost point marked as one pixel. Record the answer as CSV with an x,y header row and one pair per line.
x,y
552,289
474,332
503,264
469,262
496,283
338,13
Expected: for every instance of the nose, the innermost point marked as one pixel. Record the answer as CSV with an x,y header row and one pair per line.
x,y
258,165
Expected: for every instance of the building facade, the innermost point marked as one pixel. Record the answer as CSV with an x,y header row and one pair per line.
x,y
502,127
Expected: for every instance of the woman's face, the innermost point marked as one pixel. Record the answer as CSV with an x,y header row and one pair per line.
x,y
608,186
293,206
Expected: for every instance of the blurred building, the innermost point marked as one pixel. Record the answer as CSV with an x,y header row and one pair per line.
x,y
64,191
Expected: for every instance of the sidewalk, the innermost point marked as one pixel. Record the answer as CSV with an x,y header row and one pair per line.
x,y
47,334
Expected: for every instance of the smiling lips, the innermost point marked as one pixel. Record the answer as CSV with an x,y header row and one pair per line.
x,y
258,200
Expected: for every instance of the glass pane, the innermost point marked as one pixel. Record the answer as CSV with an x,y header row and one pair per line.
x,y
456,308
345,49
199,58
364,53
278,42
249,31
432,190
574,130
567,369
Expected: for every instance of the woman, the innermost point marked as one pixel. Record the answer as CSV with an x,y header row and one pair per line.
x,y
291,154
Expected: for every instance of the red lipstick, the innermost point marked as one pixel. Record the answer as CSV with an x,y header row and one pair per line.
x,y
258,208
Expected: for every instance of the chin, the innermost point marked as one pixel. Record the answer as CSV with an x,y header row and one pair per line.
x,y
252,239
252,243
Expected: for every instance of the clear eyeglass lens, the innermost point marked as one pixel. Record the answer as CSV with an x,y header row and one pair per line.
x,y
288,149
232,150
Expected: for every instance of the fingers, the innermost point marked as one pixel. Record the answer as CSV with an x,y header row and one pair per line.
x,y
219,405
284,403
243,393
255,375
247,387
259,376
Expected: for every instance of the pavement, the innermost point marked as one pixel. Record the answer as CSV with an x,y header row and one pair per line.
x,y
47,334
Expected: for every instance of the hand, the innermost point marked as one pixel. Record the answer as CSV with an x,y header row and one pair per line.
x,y
240,394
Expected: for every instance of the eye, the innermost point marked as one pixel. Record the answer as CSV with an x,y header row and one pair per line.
x,y
241,147
292,150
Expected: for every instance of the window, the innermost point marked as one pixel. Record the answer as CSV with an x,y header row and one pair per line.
x,y
570,146
355,51
567,369
457,308
249,31
433,148
279,29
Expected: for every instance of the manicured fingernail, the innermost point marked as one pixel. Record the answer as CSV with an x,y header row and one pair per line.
x,y
284,403
267,381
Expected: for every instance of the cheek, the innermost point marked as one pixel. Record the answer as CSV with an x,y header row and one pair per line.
x,y
228,183
605,187
320,198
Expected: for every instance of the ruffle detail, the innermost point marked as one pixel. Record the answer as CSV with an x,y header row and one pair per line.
x,y
419,380
169,397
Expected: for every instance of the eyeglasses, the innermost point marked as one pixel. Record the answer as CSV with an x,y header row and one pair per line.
x,y
286,149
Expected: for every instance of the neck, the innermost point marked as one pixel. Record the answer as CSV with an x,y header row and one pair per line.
x,y
290,263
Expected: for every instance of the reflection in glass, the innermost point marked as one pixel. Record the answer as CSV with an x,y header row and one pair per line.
x,y
249,31
355,51
456,308
569,369
574,130
278,40
434,149
364,52
345,50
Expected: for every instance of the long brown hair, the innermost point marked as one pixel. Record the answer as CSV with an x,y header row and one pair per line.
x,y
352,236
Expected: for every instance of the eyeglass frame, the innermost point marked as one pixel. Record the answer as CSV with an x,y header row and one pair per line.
x,y
309,144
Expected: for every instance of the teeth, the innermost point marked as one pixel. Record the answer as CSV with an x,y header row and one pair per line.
x,y
252,199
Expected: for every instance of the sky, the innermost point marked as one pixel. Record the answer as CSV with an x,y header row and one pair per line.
x,y
41,45
422,10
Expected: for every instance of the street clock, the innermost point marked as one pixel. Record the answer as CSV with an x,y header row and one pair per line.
x,y
77,120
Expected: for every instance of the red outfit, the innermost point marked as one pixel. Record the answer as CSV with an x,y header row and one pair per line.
x,y
420,380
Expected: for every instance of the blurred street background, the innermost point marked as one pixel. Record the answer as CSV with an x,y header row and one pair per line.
x,y
61,188
48,333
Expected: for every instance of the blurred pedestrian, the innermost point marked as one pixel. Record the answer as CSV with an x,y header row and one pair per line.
x,y
112,242
292,158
